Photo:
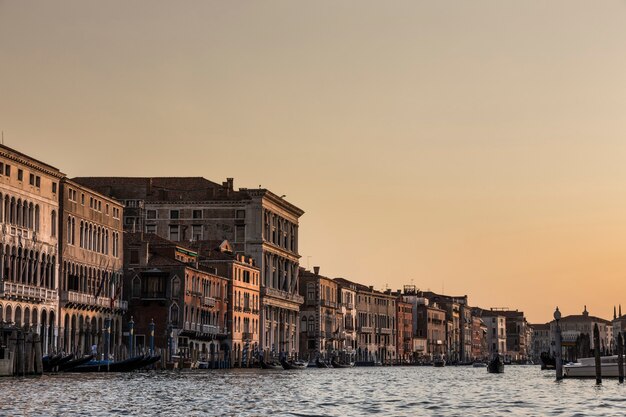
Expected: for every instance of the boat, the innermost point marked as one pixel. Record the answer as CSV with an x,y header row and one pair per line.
x,y
127,365
439,362
68,365
320,364
50,361
586,367
293,364
479,364
148,360
270,365
336,364
496,365
548,361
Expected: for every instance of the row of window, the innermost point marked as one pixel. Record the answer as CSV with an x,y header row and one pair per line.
x,y
92,237
94,203
33,179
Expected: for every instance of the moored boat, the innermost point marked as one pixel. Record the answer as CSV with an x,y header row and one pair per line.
x,y
320,364
127,365
336,364
439,362
586,367
479,364
270,365
293,364
67,366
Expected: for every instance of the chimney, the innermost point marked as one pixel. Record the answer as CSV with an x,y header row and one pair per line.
x,y
149,186
371,288
230,182
316,270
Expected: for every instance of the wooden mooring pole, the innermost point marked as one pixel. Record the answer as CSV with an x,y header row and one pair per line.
x,y
620,357
558,346
596,351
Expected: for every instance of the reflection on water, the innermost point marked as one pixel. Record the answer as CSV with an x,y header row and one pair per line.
x,y
388,391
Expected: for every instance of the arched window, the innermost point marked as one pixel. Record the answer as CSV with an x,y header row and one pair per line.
x,y
37,218
311,327
136,292
174,314
175,287
303,326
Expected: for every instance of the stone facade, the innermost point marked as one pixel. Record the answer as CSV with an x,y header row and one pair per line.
x,y
187,301
321,333
29,257
376,323
244,279
496,331
404,322
257,222
90,287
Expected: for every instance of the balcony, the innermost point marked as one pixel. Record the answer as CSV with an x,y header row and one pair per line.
x,y
27,292
284,295
79,299
386,330
366,329
247,309
328,303
246,336
349,326
208,301
349,306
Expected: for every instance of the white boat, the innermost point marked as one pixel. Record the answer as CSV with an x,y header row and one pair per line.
x,y
586,367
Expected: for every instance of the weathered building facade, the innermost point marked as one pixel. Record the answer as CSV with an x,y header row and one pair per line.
x,y
91,302
29,257
321,327
404,322
256,222
376,323
165,284
244,299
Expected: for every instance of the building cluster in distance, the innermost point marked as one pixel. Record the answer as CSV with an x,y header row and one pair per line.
x,y
97,263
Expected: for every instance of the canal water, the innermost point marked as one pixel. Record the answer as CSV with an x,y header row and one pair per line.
x,y
384,391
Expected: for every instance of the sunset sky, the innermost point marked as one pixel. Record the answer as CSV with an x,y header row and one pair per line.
x,y
477,147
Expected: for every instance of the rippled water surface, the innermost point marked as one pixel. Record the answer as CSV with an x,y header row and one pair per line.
x,y
387,391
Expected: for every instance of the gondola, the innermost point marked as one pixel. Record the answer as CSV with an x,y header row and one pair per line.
x,y
270,365
336,364
67,366
496,365
49,361
320,364
110,366
292,364
149,360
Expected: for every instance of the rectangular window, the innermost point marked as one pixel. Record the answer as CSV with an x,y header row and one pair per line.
x,y
106,208
174,214
20,175
1,168
240,234
174,233
134,257
54,188
82,199
151,228
37,181
31,179
197,214
90,202
196,232
241,214
7,170
151,214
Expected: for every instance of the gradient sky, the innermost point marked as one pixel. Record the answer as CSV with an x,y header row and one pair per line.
x,y
473,146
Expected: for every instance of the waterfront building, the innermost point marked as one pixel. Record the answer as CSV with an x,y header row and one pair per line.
x,y
496,330
480,349
187,302
576,325
404,322
91,301
541,341
244,298
346,311
29,257
256,222
321,329
516,335
376,323
458,330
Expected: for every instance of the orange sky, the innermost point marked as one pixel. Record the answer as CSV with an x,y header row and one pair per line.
x,y
475,146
